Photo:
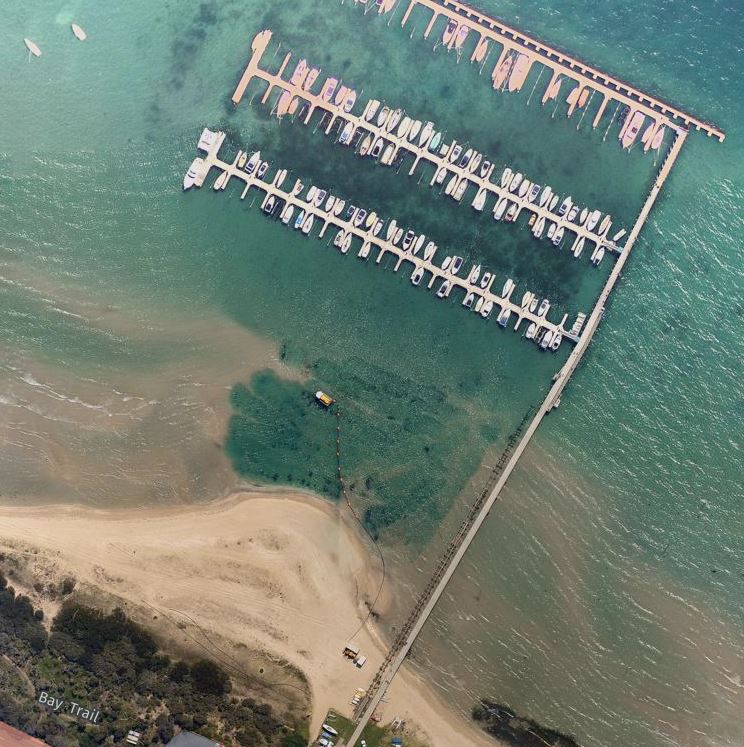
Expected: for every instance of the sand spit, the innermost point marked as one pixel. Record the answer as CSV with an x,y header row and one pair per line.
x,y
280,573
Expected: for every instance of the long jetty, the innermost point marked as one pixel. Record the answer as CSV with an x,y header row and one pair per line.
x,y
382,244
563,66
584,75
468,530
360,123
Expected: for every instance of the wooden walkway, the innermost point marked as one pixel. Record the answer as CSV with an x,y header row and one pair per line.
x,y
560,63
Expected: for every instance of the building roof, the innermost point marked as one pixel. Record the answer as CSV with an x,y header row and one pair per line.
x,y
187,739
10,737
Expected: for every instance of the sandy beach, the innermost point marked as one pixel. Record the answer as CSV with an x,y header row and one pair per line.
x,y
281,574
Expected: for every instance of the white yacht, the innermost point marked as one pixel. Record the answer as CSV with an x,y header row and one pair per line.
x,y
193,173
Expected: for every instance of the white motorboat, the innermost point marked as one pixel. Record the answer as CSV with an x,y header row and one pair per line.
x,y
565,206
572,213
444,289
377,227
456,265
440,175
338,239
460,190
486,279
584,215
311,193
287,214
364,148
533,304
383,115
479,304
498,212
339,206
534,191
220,181
454,152
526,298
395,117
503,318
508,286
578,246
372,107
506,177
32,47
365,250
475,163
555,343
388,154
377,148
598,256
361,214
263,167
320,195
346,244
404,127
531,330
298,187
544,307
431,247
417,275
539,227
426,134
346,133
524,187
546,338
451,184
253,161
485,169
391,229
619,234
551,230
515,182
465,160
193,173
398,236
408,239
79,33
558,235
511,213
604,226
330,202
300,219
593,220
480,199
447,262
545,196
474,274
486,309
307,224
418,244
468,300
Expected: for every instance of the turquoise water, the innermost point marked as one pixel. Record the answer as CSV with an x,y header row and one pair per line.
x,y
605,595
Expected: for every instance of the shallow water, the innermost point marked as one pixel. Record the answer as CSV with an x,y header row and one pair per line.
x,y
604,595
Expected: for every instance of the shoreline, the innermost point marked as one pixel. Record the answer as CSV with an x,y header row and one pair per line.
x,y
309,576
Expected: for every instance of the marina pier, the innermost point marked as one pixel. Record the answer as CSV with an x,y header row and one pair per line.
x,y
211,143
562,65
362,126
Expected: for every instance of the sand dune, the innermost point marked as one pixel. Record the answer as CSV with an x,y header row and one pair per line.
x,y
282,574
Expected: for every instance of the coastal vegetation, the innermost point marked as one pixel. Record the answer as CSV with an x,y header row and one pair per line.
x,y
504,724
105,661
